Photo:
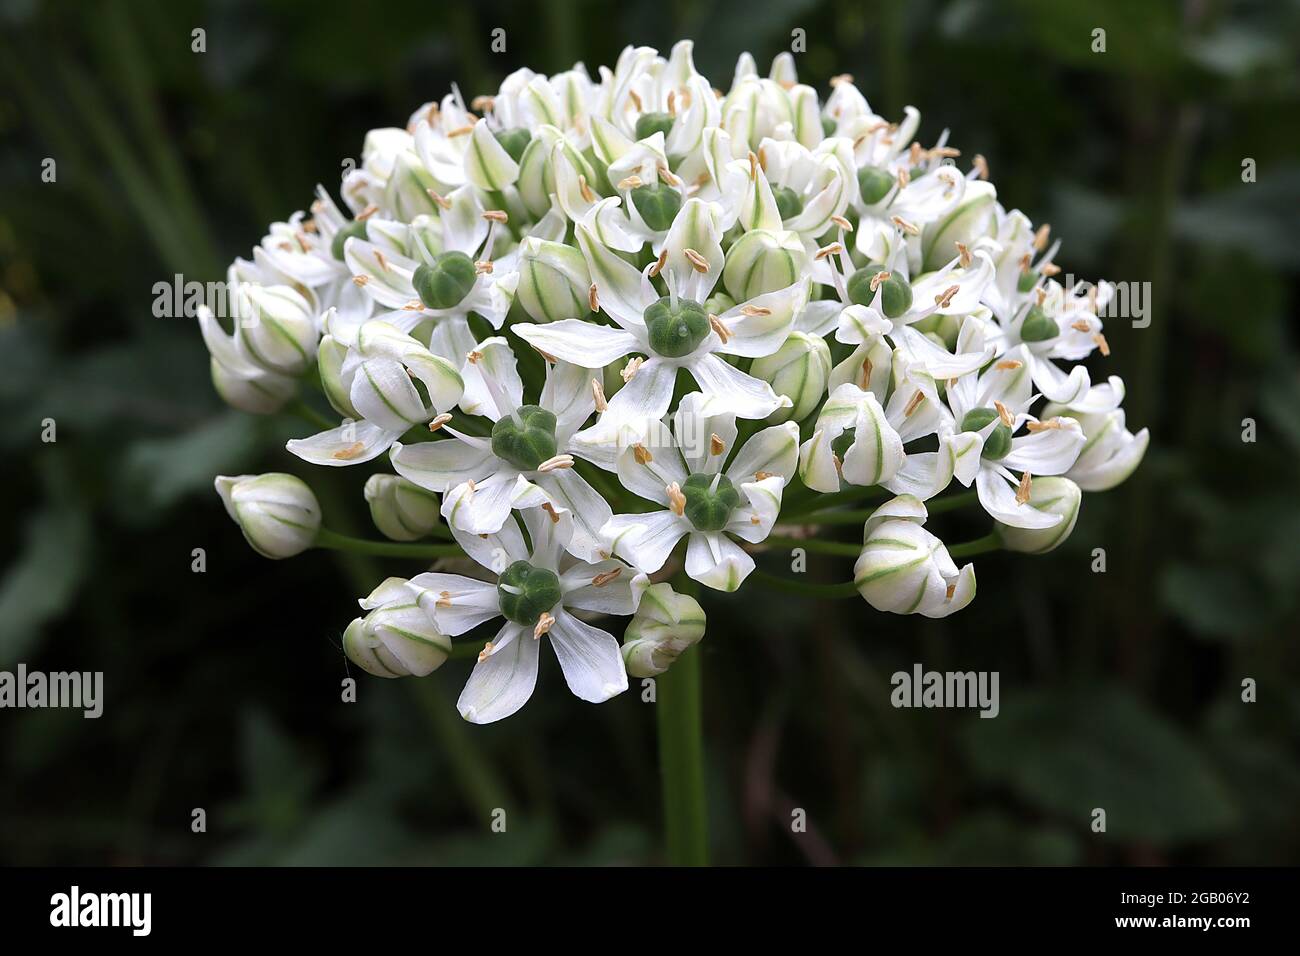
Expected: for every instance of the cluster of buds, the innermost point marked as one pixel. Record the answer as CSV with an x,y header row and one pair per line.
x,y
589,318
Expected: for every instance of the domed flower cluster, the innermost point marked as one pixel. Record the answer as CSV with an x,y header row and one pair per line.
x,y
604,327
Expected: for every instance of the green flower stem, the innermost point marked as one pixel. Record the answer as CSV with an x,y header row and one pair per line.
x,y
824,502
309,415
845,548
681,760
990,542
937,506
791,586
333,541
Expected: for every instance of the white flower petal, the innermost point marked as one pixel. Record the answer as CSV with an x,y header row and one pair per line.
x,y
582,343
716,561
590,658
646,540
503,681
349,444
729,390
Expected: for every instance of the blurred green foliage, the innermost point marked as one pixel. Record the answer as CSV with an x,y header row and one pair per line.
x,y
1119,690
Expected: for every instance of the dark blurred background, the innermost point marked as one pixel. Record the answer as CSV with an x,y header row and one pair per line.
x,y
1119,690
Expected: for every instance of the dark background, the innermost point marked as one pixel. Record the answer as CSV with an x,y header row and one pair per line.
x,y
1119,690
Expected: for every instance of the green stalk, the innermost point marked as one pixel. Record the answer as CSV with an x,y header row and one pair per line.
x,y
990,542
791,586
847,549
333,541
681,760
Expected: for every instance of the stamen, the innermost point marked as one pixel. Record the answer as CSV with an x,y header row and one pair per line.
x,y
1102,345
598,392
496,215
1050,424
904,177
764,475
914,154
981,166
906,226
716,445
1026,485
1025,261
1009,365
438,198
841,78
544,354
878,279
1004,413
586,190
963,251
444,600
945,298
672,102
483,103
762,158
698,261
631,182
659,264
593,299
550,510
676,500
558,463
866,373
715,323
834,249
483,266
1049,269
600,580
944,152
839,465
473,356
914,403
461,131
544,624
631,368
485,653
642,454
352,451
1081,325
842,223
361,280
1040,237
668,176
366,213
415,305
636,100
753,166
379,258
438,421
952,589
755,310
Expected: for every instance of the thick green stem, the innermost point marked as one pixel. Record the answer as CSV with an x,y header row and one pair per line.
x,y
990,542
681,760
844,548
333,541
791,586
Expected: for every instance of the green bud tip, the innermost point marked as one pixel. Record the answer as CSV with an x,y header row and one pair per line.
x,y
444,283
1038,326
1026,280
658,204
896,298
874,183
676,332
647,124
514,141
710,500
788,203
998,444
357,227
525,438
526,593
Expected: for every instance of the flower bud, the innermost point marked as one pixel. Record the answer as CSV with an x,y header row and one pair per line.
x,y
401,509
329,360
798,370
260,393
904,569
761,261
665,624
278,513
397,638
1054,495
968,222
554,282
275,328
